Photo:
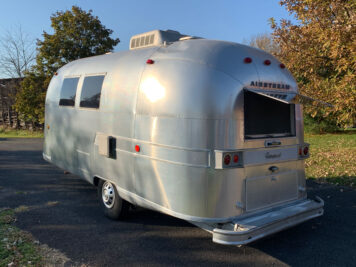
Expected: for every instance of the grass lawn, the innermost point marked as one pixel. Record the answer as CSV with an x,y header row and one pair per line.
x,y
17,248
10,133
332,157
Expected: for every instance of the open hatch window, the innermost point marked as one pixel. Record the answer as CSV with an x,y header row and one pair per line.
x,y
268,116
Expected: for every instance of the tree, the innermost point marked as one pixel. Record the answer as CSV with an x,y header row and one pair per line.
x,y
77,34
8,90
17,53
265,42
321,53
29,101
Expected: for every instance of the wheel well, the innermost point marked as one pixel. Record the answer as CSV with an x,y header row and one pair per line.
x,y
96,181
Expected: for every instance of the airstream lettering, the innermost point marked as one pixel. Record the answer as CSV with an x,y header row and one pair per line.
x,y
207,131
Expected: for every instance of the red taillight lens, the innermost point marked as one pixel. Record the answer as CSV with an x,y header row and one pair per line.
x,y
282,66
248,60
267,62
137,148
236,158
150,61
227,159
300,151
306,150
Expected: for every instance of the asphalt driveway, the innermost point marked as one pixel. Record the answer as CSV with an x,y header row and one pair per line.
x,y
62,211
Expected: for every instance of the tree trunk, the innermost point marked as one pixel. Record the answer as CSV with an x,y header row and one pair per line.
x,y
10,117
17,120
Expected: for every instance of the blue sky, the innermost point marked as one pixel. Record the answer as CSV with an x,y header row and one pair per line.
x,y
214,19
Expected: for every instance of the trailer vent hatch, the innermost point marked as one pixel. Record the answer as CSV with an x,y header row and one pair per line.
x,y
157,38
142,41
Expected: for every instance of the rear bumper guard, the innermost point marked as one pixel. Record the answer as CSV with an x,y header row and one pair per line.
x,y
249,229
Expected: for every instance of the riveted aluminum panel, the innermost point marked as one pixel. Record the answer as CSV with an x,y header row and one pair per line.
x,y
177,187
266,191
210,95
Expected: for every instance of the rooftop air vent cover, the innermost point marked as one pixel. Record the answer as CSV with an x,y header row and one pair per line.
x,y
156,38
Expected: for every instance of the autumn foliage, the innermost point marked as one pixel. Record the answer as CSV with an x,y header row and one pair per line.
x,y
320,51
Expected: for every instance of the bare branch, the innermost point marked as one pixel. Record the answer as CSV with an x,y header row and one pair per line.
x,y
17,53
264,42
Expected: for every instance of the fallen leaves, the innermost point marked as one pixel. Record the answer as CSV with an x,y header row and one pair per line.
x,y
332,156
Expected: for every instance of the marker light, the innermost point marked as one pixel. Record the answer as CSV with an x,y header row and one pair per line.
x,y
282,66
267,62
247,60
137,148
305,150
150,61
236,158
227,159
300,151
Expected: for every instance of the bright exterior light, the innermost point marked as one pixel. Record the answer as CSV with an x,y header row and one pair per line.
x,y
153,90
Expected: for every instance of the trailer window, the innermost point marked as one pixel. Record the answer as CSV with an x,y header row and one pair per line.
x,y
265,117
91,91
68,91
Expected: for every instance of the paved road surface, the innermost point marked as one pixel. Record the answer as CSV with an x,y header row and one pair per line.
x,y
64,214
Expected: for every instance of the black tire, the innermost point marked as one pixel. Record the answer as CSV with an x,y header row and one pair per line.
x,y
113,205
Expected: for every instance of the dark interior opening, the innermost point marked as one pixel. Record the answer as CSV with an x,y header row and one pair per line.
x,y
266,117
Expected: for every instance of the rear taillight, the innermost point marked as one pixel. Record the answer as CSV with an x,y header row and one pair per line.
x,y
303,150
227,159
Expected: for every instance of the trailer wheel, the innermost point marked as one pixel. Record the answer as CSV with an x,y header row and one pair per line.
x,y
113,205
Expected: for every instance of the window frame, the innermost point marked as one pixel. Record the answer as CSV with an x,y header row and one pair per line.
x,y
259,136
104,74
76,91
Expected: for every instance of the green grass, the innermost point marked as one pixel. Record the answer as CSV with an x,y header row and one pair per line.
x,y
16,246
10,133
332,157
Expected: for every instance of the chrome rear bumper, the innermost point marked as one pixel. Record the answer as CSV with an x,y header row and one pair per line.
x,y
249,229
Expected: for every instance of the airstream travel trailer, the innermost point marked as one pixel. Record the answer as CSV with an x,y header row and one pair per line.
x,y
207,131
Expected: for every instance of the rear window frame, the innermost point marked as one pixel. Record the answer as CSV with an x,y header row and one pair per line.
x,y
259,136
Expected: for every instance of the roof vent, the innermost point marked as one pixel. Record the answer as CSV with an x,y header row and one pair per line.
x,y
157,38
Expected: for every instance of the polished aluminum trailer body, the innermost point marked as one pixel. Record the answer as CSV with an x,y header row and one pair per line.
x,y
173,122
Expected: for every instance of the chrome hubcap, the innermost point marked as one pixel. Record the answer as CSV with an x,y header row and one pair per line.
x,y
108,194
